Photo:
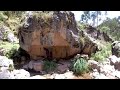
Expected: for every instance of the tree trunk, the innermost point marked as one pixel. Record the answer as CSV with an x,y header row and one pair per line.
x,y
97,18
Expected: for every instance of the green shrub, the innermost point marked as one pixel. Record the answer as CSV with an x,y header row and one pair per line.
x,y
104,53
2,16
105,29
80,66
81,26
9,49
11,52
49,66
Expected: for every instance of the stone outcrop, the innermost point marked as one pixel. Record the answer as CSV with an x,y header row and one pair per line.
x,y
52,34
108,69
116,48
97,34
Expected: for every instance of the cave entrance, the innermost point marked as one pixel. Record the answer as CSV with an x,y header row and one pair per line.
x,y
48,52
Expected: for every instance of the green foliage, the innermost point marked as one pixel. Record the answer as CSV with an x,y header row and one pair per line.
x,y
43,15
114,27
81,26
80,66
13,13
11,52
85,16
104,53
105,29
49,66
9,49
11,19
2,16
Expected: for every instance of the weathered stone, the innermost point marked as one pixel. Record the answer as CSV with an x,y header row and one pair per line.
x,y
63,66
94,65
117,66
38,66
5,62
117,74
113,59
69,75
21,74
11,37
5,74
89,45
34,65
107,69
97,34
52,35
116,48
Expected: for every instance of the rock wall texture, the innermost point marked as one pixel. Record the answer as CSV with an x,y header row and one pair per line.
x,y
52,34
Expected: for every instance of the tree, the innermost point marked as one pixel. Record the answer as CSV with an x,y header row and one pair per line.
x,y
85,16
94,16
114,27
98,13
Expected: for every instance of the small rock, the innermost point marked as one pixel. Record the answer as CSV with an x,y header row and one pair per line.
x,y
116,48
38,66
95,70
94,64
117,74
84,56
25,67
5,62
5,74
107,69
117,66
21,74
95,75
113,59
62,68
77,56
11,37
30,64
69,75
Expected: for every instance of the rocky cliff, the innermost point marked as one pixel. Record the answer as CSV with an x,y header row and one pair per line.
x,y
52,34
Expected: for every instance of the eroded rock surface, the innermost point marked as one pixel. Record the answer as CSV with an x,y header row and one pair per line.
x,y
53,34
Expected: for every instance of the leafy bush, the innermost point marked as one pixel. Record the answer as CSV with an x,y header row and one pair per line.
x,y
11,52
81,26
49,66
2,16
105,29
9,49
80,66
104,53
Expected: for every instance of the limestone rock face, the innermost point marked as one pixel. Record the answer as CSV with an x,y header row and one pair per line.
x,y
51,34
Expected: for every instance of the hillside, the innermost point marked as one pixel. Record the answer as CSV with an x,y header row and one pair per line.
x,y
53,45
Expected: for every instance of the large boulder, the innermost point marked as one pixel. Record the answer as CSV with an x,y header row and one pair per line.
x,y
52,34
116,48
